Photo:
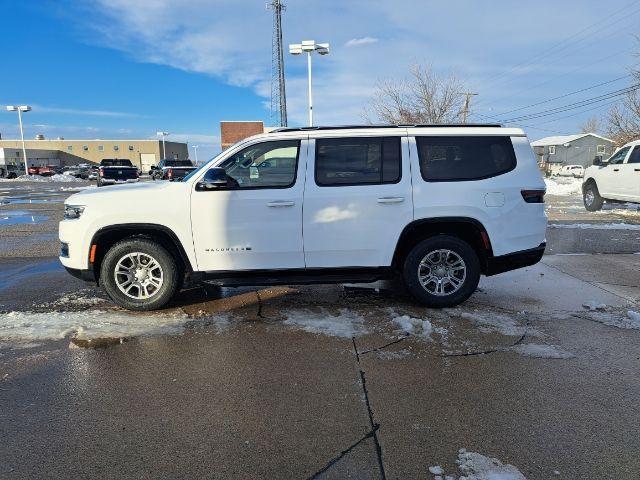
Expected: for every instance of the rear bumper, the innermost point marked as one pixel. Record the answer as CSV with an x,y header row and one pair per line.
x,y
513,261
112,181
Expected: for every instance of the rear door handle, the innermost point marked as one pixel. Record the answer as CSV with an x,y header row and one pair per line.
x,y
387,200
616,169
281,203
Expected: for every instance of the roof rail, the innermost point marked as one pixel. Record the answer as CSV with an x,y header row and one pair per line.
x,y
344,127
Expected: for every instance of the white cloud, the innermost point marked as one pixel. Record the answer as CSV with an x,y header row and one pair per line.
x,y
93,113
356,42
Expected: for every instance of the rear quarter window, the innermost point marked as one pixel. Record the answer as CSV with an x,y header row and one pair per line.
x,y
448,159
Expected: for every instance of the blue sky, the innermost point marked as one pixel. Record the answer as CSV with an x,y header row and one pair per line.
x,y
127,68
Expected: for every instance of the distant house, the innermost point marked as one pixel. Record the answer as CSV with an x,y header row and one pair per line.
x,y
580,149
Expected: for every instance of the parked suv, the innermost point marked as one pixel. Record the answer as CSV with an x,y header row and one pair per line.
x,y
616,179
171,169
436,205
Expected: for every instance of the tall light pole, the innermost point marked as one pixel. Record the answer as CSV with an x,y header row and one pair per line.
x,y
195,150
309,46
20,109
164,148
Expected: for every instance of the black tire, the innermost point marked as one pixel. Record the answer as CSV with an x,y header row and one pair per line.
x,y
171,275
411,268
591,197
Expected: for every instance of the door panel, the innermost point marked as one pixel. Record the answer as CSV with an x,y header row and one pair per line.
x,y
633,167
610,179
252,228
350,225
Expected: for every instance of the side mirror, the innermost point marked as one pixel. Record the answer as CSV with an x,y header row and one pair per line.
x,y
214,178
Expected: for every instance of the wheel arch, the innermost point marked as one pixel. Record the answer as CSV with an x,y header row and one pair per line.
x,y
108,236
468,229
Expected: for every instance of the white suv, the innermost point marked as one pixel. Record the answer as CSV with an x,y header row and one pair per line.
x,y
616,179
437,205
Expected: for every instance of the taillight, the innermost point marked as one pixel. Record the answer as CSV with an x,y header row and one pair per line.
x,y
533,196
170,173
101,172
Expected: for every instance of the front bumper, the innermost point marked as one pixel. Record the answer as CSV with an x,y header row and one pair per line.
x,y
86,275
515,260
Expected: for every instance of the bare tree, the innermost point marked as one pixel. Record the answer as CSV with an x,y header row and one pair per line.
x,y
590,125
623,121
424,97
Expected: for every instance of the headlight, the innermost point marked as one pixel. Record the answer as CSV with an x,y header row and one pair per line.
x,y
71,212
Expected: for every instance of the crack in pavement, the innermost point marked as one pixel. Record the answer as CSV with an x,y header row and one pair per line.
x,y
382,347
374,426
339,457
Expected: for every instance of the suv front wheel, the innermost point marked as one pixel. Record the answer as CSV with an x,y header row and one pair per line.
x,y
591,197
441,271
139,274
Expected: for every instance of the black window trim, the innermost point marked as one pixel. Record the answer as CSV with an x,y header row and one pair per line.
x,y
275,187
359,184
484,177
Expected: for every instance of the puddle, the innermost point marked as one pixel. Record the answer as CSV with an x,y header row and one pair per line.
x,y
20,217
100,342
12,276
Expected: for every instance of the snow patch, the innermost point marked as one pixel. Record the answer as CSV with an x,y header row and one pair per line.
x,y
563,187
596,226
53,178
77,189
23,326
496,322
474,466
541,351
593,306
414,326
346,324
629,321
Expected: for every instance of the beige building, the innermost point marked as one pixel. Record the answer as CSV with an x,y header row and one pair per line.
x,y
61,152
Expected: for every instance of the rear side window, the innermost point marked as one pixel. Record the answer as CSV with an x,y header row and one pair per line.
x,y
446,159
357,161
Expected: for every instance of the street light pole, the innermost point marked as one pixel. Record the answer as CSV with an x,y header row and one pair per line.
x,y
309,46
20,109
164,148
195,150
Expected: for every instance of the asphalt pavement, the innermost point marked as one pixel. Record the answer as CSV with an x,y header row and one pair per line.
x,y
537,370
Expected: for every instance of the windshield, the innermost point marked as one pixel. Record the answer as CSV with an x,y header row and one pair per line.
x,y
201,167
116,163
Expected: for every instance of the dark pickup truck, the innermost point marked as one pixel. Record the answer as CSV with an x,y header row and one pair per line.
x,y
172,169
113,170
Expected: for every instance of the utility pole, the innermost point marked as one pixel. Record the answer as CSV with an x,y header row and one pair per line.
x,y
467,103
278,93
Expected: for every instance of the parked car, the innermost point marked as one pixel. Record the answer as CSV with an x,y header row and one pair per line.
x,y
10,171
113,170
77,171
33,170
576,171
436,205
171,169
48,170
93,173
616,179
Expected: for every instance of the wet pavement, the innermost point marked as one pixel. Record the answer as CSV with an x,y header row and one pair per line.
x,y
538,369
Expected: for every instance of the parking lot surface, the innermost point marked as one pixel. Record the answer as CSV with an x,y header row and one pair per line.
x,y
538,370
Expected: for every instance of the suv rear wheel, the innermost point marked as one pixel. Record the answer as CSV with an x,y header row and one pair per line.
x,y
591,197
441,271
139,274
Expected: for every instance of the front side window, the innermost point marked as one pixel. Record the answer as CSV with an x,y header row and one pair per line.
x,y
619,156
357,161
264,165
635,155
444,159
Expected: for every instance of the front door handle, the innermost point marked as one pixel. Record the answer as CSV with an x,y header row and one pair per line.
x,y
387,200
281,203
636,169
616,169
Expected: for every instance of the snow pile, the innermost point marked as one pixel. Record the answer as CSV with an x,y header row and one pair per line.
x,y
629,321
77,189
21,326
414,326
563,186
53,178
594,306
474,466
346,324
540,351
597,226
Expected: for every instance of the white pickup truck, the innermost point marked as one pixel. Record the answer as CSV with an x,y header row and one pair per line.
x,y
435,205
616,179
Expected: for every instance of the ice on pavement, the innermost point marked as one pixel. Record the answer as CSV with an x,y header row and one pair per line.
x,y
593,306
53,178
540,351
563,186
489,322
21,326
630,320
475,466
346,324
